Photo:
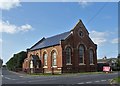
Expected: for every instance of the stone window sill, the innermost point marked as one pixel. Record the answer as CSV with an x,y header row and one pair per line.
x,y
45,67
68,64
92,64
58,68
82,64
54,67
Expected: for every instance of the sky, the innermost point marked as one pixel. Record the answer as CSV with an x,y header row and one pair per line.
x,y
23,24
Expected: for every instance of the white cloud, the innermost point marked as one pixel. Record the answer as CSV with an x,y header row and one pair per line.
x,y
83,3
115,41
8,4
1,44
6,27
26,27
98,37
0,41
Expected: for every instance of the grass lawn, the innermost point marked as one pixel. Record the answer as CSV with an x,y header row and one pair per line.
x,y
49,74
117,79
41,74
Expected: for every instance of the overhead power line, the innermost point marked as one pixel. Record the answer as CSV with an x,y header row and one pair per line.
x,y
97,13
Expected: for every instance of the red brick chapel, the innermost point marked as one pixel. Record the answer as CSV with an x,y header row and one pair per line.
x,y
71,51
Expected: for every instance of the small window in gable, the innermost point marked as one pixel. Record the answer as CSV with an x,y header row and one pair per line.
x,y
81,33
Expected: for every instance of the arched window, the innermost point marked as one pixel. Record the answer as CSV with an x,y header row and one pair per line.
x,y
45,59
31,61
91,56
31,64
54,55
81,54
68,55
37,54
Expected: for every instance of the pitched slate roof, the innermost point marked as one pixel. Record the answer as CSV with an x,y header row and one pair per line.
x,y
51,41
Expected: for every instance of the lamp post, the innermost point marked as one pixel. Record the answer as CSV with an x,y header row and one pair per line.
x,y
1,62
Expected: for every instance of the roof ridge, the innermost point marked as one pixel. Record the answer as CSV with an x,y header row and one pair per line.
x,y
58,34
38,42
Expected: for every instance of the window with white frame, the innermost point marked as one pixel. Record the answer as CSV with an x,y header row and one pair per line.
x,y
54,56
81,54
91,56
68,55
45,59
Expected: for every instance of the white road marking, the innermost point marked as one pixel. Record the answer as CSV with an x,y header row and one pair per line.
x,y
41,80
80,83
7,78
88,82
14,79
10,78
97,81
29,81
36,80
1,75
21,76
103,80
21,82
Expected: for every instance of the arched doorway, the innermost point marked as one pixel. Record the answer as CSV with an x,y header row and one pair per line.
x,y
35,63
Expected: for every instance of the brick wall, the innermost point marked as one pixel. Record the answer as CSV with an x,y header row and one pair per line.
x,y
73,40
48,50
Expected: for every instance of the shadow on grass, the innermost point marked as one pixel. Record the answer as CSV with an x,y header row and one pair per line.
x,y
63,74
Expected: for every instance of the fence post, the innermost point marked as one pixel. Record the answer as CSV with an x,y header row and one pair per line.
x,y
43,70
52,70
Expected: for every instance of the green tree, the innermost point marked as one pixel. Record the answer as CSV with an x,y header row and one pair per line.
x,y
118,56
16,61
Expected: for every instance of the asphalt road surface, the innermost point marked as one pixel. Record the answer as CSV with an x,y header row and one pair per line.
x,y
9,77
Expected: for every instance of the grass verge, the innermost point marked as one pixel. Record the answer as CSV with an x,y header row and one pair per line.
x,y
117,79
57,74
41,74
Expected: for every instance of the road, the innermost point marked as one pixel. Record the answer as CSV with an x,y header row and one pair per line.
x,y
9,77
